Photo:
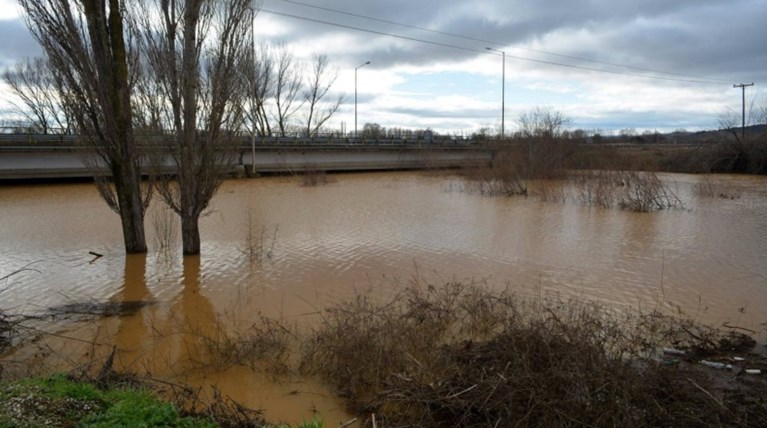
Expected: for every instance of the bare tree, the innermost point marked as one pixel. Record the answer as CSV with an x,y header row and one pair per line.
x,y
85,44
34,83
542,129
258,74
287,86
542,122
318,84
193,48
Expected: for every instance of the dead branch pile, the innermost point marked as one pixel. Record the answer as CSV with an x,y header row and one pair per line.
x,y
460,356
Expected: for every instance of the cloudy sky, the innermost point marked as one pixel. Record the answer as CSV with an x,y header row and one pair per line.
x,y
607,64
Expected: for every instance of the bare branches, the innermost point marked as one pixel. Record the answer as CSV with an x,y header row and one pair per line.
x,y
25,268
542,122
34,82
286,89
258,76
319,83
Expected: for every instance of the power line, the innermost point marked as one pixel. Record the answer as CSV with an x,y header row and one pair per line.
x,y
448,45
475,39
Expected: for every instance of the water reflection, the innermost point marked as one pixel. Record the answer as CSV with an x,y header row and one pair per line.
x,y
194,316
132,331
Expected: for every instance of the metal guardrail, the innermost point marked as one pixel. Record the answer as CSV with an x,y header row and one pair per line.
x,y
73,142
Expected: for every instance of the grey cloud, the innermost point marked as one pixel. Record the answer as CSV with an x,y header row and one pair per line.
x,y
437,114
17,42
701,37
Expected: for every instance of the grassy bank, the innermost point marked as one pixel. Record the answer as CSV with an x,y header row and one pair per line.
x,y
63,401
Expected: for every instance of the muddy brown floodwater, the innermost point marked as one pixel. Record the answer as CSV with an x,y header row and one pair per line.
x,y
275,248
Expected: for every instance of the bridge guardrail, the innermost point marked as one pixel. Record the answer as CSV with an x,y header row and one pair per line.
x,y
74,142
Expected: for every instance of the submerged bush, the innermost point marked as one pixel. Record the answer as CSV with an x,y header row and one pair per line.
x,y
627,190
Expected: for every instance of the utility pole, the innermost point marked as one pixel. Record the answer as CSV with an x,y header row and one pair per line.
x,y
743,86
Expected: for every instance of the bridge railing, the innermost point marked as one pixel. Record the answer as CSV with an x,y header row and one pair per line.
x,y
74,142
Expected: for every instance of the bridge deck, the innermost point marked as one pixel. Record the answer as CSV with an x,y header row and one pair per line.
x,y
24,157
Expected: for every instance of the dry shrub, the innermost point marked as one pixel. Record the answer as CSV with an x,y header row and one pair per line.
x,y
459,356
628,190
734,155
223,411
313,178
263,345
165,225
500,178
697,340
259,242
710,187
727,154
7,333
549,190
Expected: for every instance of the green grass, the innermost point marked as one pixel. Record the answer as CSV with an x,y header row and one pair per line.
x,y
57,399
60,401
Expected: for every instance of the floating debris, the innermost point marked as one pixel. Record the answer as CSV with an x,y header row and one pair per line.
x,y
673,351
715,365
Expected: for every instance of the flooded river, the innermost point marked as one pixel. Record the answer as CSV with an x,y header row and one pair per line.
x,y
275,248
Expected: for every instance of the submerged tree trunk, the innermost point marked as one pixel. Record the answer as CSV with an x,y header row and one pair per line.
x,y
190,234
132,207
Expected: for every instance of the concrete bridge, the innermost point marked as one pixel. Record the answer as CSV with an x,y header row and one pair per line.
x,y
30,157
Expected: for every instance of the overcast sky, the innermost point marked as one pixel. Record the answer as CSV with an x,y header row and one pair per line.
x,y
666,64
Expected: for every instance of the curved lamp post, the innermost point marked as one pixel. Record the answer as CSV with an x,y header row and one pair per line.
x,y
355,95
503,91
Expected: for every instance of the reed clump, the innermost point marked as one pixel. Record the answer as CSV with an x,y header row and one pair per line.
x,y
456,355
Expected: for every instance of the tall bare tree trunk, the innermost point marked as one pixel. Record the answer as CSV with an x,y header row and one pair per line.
x,y
194,51
190,234
86,46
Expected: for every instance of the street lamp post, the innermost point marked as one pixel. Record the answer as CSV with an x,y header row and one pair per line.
x,y
503,91
355,95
